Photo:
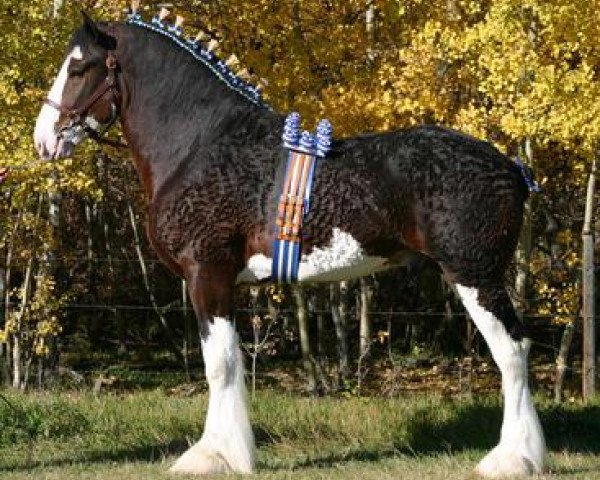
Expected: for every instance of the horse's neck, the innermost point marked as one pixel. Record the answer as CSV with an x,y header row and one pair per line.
x,y
172,112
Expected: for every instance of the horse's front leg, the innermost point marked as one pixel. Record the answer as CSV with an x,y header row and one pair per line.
x,y
227,444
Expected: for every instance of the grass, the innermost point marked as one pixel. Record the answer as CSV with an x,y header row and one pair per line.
x,y
75,435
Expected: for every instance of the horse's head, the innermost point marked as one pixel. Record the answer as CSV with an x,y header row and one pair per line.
x,y
84,99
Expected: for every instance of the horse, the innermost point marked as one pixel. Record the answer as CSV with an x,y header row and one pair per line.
x,y
210,160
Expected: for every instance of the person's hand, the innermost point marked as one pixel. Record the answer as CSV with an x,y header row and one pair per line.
x,y
3,174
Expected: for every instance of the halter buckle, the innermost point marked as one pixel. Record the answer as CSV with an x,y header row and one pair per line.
x,y
111,62
74,116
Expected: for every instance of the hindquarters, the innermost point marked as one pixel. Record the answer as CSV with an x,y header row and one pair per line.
x,y
466,212
461,201
474,228
463,208
474,237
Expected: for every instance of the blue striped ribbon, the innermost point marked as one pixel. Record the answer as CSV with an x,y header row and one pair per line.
x,y
286,253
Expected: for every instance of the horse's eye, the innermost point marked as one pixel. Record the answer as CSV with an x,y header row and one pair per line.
x,y
77,68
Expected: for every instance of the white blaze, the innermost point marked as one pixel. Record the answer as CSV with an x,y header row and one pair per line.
x,y
45,138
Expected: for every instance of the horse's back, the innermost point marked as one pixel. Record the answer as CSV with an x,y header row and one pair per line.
x,y
427,189
431,189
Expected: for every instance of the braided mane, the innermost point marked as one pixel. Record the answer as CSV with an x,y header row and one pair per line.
x,y
203,54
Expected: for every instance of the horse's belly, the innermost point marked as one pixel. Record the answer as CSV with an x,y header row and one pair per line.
x,y
342,259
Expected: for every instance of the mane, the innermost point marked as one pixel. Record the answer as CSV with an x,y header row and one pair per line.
x,y
194,47
184,90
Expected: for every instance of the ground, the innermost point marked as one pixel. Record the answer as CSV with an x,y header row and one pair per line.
x,y
442,467
136,435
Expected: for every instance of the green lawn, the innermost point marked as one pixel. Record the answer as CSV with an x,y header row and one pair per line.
x,y
138,435
400,467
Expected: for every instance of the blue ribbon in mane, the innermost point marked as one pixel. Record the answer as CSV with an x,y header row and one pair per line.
x,y
208,58
527,174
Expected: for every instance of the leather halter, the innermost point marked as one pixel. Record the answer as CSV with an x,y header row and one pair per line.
x,y
78,115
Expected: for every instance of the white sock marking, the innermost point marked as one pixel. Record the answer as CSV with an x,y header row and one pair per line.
x,y
227,443
521,449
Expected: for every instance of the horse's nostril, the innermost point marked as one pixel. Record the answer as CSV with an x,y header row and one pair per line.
x,y
42,150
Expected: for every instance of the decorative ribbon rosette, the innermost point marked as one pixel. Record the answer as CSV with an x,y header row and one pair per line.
x,y
294,203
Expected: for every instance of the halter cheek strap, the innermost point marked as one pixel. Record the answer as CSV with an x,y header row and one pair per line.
x,y
80,123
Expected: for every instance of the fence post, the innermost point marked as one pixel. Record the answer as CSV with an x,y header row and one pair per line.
x,y
588,310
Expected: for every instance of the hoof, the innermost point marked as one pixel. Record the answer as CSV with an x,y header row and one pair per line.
x,y
200,463
503,462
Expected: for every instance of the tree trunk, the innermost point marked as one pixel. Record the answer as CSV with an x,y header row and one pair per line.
x,y
364,349
171,344
3,372
16,360
561,360
103,217
7,368
366,295
588,311
48,366
370,28
307,357
56,6
316,306
340,324
17,347
26,287
523,252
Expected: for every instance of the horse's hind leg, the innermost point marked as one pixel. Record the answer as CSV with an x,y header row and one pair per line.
x,y
521,449
227,444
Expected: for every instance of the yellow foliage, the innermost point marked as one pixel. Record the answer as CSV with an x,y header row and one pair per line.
x,y
502,70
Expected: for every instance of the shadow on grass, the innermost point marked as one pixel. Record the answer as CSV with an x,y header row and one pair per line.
x,y
146,453
473,426
477,427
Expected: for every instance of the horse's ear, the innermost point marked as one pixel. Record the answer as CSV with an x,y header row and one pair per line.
x,y
106,41
89,24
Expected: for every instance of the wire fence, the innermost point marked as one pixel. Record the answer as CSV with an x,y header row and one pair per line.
x,y
173,307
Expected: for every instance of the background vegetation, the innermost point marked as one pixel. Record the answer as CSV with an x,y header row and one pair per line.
x,y
82,292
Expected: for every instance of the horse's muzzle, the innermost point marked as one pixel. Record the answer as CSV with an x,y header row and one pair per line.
x,y
53,147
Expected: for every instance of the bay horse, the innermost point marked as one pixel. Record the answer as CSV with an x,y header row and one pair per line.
x,y
210,160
